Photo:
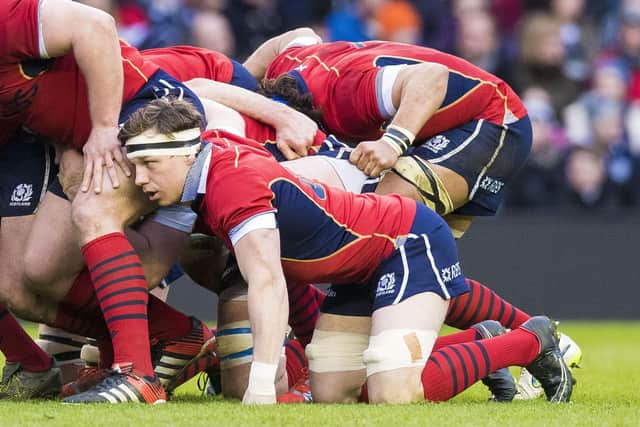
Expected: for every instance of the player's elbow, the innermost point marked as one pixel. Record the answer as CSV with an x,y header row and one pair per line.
x,y
92,23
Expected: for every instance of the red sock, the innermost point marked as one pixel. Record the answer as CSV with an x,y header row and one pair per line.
x,y
303,311
457,338
165,322
320,295
18,347
479,304
296,361
452,369
121,289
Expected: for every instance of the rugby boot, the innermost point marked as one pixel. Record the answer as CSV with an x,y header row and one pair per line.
x,y
122,385
549,368
529,388
177,361
501,382
300,392
18,384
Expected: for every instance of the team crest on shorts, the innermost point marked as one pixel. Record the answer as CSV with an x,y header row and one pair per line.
x,y
437,143
450,273
22,195
386,284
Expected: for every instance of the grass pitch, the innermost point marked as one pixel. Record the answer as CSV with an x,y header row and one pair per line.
x,y
607,394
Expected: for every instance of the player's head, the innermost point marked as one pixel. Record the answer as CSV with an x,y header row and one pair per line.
x,y
285,89
162,140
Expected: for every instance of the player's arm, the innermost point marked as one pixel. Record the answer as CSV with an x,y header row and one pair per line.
x,y
295,132
92,37
417,93
222,117
259,60
258,255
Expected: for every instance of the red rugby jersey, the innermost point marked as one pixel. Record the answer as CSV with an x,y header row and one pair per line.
x,y
49,96
341,76
326,235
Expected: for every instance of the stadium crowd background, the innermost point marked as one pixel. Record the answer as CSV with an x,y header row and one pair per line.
x,y
575,63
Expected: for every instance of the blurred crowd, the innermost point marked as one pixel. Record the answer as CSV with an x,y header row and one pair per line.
x,y
575,63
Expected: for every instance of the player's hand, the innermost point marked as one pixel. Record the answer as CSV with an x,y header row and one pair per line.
x,y
373,157
258,399
102,150
295,135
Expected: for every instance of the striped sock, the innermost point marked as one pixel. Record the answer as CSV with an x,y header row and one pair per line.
x,y
452,369
479,304
121,290
165,322
457,338
296,361
63,346
303,312
18,347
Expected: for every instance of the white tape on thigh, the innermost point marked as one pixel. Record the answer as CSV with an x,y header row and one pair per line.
x,y
331,351
398,348
234,344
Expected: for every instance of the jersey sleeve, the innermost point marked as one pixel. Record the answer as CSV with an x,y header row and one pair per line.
x,y
21,35
238,194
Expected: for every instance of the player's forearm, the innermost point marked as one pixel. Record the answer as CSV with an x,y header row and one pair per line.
x,y
246,102
421,92
268,313
260,59
97,52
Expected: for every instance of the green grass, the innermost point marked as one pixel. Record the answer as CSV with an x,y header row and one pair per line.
x,y
608,394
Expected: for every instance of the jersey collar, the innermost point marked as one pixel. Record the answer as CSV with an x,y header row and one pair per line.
x,y
196,182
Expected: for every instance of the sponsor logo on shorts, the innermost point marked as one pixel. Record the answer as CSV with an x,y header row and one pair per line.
x,y
437,143
450,273
491,185
386,284
22,195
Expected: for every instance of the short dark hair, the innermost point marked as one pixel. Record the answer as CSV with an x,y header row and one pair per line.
x,y
286,88
166,115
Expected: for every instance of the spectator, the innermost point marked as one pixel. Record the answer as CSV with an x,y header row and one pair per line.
x,y
542,59
585,179
211,30
479,43
354,21
538,182
399,21
579,37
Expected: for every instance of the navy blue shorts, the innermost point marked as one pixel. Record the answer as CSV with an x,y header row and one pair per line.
x,y
27,168
160,84
487,155
426,261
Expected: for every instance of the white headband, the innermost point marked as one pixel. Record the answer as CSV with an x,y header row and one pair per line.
x,y
183,143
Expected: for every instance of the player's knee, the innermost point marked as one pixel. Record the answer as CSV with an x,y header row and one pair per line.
x,y
394,349
397,387
336,365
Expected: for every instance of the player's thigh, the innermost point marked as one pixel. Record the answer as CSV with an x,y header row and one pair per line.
x,y
337,370
412,293
27,168
52,254
486,155
94,215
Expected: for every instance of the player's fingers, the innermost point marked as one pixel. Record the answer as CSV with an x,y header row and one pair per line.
x,y
300,149
355,155
112,171
286,151
86,176
121,161
97,175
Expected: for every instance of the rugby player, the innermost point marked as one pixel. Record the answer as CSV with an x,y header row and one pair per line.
x,y
443,130
282,227
33,84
